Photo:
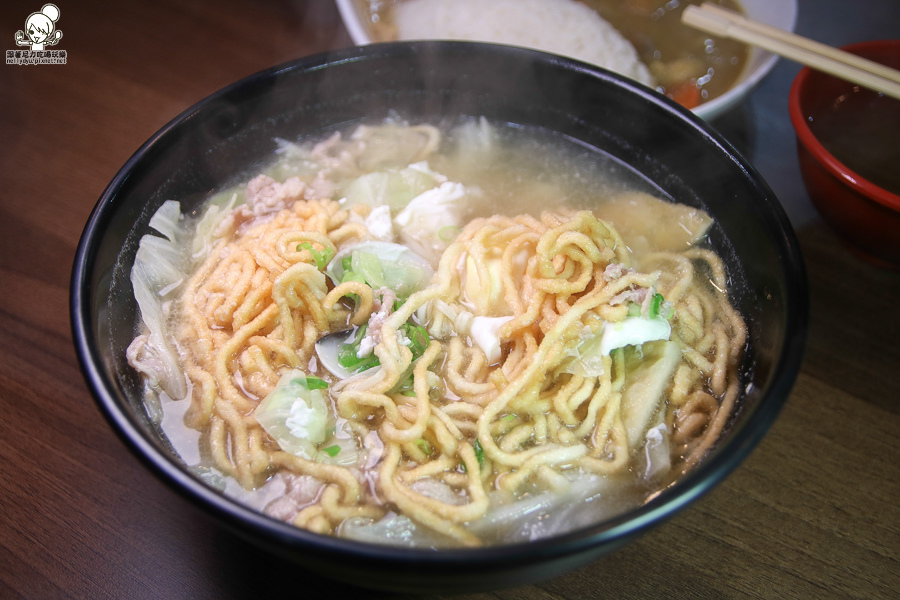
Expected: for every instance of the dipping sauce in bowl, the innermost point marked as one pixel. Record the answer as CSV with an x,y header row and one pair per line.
x,y
848,153
859,127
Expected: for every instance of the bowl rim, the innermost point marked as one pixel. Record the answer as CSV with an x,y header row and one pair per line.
x,y
245,520
819,152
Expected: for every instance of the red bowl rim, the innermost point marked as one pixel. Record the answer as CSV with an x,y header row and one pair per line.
x,y
818,151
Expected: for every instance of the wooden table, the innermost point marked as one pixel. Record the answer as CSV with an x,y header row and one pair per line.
x,y
813,513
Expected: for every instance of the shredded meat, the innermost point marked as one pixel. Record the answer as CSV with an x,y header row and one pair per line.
x,y
265,195
614,271
298,491
331,152
384,301
636,295
320,187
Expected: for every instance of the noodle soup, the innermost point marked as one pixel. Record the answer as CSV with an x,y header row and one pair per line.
x,y
437,336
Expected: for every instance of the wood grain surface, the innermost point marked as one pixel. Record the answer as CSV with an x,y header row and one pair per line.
x,y
812,513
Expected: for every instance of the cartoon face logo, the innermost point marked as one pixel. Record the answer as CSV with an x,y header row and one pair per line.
x,y
40,29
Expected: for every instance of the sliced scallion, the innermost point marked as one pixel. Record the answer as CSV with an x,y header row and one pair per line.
x,y
321,257
332,451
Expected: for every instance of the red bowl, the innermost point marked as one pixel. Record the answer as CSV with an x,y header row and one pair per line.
x,y
839,123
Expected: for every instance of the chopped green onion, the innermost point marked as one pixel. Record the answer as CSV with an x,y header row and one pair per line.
x,y
309,382
418,338
322,257
332,451
424,446
314,383
479,456
655,304
479,453
407,387
348,354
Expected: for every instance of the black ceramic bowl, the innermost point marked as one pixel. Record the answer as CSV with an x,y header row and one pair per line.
x,y
234,128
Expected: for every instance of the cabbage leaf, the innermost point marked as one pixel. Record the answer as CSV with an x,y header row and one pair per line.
x,y
393,188
423,221
381,264
295,414
158,270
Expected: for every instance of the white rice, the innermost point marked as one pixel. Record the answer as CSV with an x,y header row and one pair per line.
x,y
564,27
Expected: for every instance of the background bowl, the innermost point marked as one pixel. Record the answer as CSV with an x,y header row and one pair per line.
x,y
865,215
235,128
778,13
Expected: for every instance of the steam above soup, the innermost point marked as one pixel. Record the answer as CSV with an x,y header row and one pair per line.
x,y
641,39
436,337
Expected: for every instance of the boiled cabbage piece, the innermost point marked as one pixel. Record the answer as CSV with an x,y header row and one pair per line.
x,y
426,209
423,223
587,356
159,269
381,265
647,223
648,373
394,188
295,414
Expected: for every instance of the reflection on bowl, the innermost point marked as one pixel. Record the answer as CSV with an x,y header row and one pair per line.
x,y
777,13
236,128
848,152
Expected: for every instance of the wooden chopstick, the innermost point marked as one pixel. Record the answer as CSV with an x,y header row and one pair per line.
x,y
719,21
796,40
